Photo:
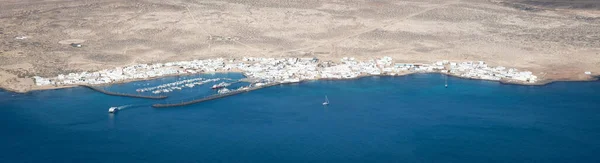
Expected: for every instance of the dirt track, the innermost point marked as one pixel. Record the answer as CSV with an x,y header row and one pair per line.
x,y
556,39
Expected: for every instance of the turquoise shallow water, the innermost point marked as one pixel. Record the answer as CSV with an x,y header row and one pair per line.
x,y
375,119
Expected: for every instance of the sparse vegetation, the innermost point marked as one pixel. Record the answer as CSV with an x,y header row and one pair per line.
x,y
557,37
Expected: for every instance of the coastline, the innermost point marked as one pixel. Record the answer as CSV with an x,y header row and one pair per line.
x,y
42,88
539,83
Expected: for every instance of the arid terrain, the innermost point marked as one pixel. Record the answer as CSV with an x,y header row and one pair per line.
x,y
556,39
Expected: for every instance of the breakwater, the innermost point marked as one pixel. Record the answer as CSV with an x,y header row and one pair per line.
x,y
213,97
122,94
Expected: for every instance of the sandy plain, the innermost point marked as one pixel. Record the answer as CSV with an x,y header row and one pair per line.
x,y
555,39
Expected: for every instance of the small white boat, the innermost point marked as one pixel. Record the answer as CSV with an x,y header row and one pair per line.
x,y
446,81
112,109
326,101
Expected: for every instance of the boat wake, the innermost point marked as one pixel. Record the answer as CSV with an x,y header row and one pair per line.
x,y
123,107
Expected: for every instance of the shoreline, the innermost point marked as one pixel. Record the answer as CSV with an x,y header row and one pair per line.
x,y
295,70
539,83
43,88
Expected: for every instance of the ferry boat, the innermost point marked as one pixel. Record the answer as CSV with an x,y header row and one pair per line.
x,y
112,109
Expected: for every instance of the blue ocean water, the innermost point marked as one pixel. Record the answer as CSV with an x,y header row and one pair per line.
x,y
374,119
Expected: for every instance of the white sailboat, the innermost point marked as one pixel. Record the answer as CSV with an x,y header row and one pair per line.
x,y
326,101
446,85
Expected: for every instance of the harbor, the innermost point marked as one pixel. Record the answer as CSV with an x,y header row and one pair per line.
x,y
264,72
215,96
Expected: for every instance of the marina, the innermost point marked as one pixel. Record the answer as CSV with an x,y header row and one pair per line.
x,y
178,85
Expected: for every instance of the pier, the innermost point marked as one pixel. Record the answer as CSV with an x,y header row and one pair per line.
x,y
122,94
213,97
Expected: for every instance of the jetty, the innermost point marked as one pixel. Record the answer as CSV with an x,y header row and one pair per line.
x,y
122,94
213,97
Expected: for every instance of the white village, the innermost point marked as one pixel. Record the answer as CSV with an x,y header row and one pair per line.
x,y
287,70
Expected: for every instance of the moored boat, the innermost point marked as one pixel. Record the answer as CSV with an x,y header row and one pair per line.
x,y
220,85
224,90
